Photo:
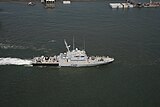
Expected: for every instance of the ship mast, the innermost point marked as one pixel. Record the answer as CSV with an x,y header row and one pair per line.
x,y
67,46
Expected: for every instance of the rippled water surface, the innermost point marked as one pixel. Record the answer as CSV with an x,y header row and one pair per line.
x,y
131,36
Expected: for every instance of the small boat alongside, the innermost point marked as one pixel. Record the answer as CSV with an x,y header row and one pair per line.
x,y
72,58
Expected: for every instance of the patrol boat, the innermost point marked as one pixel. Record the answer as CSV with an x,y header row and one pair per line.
x,y
72,58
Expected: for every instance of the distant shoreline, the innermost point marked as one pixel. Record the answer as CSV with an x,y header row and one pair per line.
x,y
39,0
19,0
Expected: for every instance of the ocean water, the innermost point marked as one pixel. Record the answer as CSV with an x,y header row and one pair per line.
x,y
131,36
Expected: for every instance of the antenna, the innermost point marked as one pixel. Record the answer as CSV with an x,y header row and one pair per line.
x,y
73,43
84,43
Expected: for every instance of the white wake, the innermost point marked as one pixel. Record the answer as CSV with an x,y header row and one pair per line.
x,y
14,61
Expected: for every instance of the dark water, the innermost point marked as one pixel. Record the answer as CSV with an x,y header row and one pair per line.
x,y
131,36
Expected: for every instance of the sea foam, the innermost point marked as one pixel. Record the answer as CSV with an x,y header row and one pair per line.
x,y
14,61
